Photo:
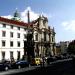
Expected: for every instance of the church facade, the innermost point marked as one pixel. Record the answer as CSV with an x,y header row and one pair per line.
x,y
44,37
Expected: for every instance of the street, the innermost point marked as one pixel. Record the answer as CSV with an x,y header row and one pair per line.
x,y
14,71
61,67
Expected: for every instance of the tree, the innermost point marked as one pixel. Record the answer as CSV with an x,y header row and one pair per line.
x,y
71,47
29,45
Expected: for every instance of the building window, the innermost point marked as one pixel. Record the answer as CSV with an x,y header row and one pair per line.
x,y
36,37
3,43
24,29
52,39
18,44
11,54
11,34
18,55
18,28
44,22
18,35
3,33
3,55
11,26
44,36
11,43
4,25
25,36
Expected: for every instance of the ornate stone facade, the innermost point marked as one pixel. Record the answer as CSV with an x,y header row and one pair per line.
x,y
44,37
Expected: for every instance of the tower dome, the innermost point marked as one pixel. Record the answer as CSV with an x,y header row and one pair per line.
x,y
16,16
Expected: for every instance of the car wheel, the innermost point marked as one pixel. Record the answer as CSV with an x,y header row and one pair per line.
x,y
6,68
19,66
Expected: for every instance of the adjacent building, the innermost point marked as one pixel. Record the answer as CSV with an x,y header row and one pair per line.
x,y
58,49
61,47
64,46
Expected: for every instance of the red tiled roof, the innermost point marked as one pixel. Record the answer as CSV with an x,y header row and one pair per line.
x,y
13,22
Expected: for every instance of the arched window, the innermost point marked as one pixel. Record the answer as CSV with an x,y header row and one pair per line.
x,y
44,36
36,36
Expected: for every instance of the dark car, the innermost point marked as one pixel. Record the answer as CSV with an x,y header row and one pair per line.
x,y
50,59
20,64
5,65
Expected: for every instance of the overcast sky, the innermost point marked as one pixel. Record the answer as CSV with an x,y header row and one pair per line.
x,y
60,14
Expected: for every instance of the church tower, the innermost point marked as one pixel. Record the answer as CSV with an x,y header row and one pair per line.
x,y
16,16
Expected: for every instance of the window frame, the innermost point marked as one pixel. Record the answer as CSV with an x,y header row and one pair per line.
x,y
11,34
3,43
11,44
3,33
18,44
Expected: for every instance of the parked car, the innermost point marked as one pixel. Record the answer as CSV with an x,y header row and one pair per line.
x,y
20,64
50,59
5,65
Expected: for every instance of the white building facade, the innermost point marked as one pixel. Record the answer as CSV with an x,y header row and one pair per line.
x,y
12,36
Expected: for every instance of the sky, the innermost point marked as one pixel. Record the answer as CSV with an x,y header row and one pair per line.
x,y
60,14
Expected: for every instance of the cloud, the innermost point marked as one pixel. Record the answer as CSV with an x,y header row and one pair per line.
x,y
47,15
69,25
8,16
33,15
